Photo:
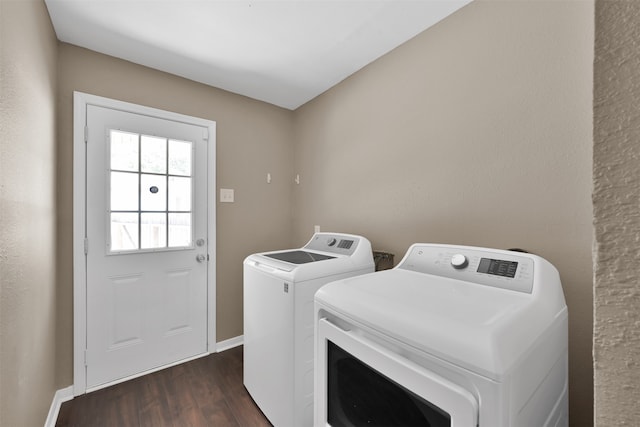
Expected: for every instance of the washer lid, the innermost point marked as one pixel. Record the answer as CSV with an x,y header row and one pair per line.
x,y
350,258
481,328
298,256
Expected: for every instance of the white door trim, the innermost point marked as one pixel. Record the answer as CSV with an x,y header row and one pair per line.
x,y
80,102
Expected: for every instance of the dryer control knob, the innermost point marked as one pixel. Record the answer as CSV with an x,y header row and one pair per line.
x,y
331,241
459,261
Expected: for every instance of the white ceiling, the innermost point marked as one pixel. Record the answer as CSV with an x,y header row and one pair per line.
x,y
283,52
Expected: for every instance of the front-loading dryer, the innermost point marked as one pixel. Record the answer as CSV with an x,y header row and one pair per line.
x,y
454,336
279,320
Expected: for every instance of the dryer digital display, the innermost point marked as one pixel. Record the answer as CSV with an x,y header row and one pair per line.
x,y
498,267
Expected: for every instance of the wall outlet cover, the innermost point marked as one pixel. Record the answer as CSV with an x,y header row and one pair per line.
x,y
226,195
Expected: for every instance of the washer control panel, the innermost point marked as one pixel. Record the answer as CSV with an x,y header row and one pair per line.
x,y
497,268
333,242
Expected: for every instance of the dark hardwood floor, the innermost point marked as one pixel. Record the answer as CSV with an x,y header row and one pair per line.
x,y
204,392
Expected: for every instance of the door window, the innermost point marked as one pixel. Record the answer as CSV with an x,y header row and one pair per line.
x,y
151,188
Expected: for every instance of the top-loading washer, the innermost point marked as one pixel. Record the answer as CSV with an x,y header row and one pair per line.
x,y
452,336
279,324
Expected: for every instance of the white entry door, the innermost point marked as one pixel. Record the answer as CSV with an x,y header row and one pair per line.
x,y
146,243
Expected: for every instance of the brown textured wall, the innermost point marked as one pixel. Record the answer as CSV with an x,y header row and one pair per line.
x,y
478,131
616,201
27,213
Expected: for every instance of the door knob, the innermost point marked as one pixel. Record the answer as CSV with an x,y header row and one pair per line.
x,y
200,257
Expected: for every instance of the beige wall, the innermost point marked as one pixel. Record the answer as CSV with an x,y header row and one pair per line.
x,y
27,213
477,132
253,138
616,179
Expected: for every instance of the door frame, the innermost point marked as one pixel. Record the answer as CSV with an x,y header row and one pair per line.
x,y
80,102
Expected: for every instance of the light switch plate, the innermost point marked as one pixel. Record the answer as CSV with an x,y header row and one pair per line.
x,y
226,195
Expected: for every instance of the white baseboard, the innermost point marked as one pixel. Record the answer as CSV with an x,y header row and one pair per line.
x,y
66,394
61,396
230,343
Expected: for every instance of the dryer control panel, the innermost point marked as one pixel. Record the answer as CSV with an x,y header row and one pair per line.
x,y
500,269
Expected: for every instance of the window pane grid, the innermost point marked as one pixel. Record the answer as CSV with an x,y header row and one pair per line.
x,y
161,167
